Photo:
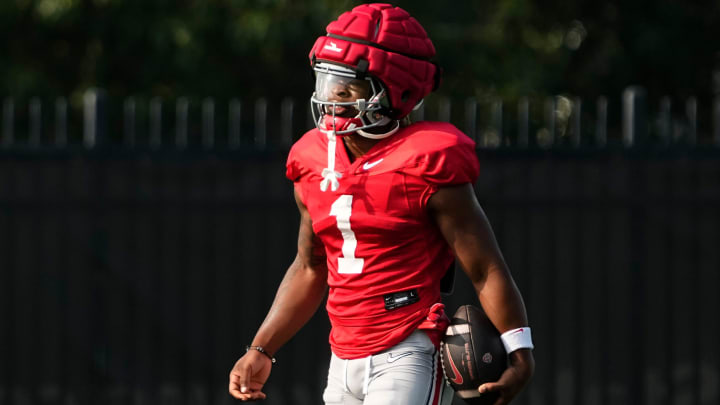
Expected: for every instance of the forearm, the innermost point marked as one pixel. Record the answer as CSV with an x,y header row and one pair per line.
x,y
301,292
468,231
501,300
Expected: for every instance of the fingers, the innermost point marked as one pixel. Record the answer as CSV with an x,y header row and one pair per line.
x,y
241,387
253,396
495,391
245,374
490,387
234,386
250,393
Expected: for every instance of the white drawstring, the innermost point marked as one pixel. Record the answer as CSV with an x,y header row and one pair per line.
x,y
366,381
366,377
347,389
329,174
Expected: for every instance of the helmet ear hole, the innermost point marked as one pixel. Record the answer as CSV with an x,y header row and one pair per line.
x,y
405,96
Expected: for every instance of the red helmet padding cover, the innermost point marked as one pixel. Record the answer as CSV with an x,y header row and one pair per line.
x,y
407,79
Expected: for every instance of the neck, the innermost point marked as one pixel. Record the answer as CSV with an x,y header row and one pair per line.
x,y
358,145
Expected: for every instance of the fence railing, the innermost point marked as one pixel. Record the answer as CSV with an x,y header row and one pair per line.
x,y
95,121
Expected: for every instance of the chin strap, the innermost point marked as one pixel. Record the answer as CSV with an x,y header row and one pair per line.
x,y
384,121
330,176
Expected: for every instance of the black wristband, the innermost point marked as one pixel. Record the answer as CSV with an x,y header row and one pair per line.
x,y
261,350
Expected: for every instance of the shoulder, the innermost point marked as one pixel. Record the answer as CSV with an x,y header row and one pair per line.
x,y
429,136
306,153
440,153
423,140
312,141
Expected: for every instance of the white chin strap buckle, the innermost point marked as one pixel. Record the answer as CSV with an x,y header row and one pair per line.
x,y
330,177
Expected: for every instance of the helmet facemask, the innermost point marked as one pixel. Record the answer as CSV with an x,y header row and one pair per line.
x,y
363,109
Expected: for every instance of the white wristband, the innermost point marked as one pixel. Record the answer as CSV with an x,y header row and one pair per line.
x,y
515,339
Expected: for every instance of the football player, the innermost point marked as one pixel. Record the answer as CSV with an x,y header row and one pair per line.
x,y
385,208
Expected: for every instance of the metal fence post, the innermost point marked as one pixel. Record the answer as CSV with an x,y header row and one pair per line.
x,y
35,117
716,100
497,123
691,113
665,120
444,109
287,110
576,135
601,121
471,118
310,118
546,137
60,122
155,122
181,122
129,109
234,118
8,121
523,122
418,112
716,120
208,123
94,117
260,123
634,116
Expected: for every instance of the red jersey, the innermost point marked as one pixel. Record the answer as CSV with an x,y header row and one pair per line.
x,y
378,236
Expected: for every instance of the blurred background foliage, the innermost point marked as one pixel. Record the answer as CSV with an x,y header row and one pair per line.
x,y
252,48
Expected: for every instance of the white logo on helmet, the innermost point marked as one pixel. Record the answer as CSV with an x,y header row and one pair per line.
x,y
333,47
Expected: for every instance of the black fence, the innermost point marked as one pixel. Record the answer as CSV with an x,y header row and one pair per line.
x,y
91,120
134,271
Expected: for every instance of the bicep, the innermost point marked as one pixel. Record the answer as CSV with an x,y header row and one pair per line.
x,y
311,252
466,229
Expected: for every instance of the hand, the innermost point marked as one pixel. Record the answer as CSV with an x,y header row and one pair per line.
x,y
248,376
514,379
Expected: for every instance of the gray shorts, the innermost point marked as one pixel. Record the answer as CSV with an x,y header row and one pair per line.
x,y
408,373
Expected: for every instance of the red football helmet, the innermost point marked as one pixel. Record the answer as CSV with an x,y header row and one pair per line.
x,y
383,45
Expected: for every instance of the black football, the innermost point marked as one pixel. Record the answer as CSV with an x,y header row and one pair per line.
x,y
472,354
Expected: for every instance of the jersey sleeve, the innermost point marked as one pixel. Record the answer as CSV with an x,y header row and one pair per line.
x,y
302,156
293,170
455,164
446,158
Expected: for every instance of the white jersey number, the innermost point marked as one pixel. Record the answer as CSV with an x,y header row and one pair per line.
x,y
341,210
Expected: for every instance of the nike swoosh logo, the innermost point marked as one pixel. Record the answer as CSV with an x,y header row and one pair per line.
x,y
368,165
392,359
458,379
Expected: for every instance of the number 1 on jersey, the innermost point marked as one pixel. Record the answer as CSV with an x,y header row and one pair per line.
x,y
341,210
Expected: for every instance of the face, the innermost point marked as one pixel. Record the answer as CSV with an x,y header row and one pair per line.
x,y
340,89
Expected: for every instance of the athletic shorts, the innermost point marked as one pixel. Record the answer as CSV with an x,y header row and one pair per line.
x,y
408,373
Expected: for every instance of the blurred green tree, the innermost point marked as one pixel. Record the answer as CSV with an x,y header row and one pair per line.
x,y
251,48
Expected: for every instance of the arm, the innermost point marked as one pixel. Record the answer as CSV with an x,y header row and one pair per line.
x,y
465,227
300,294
